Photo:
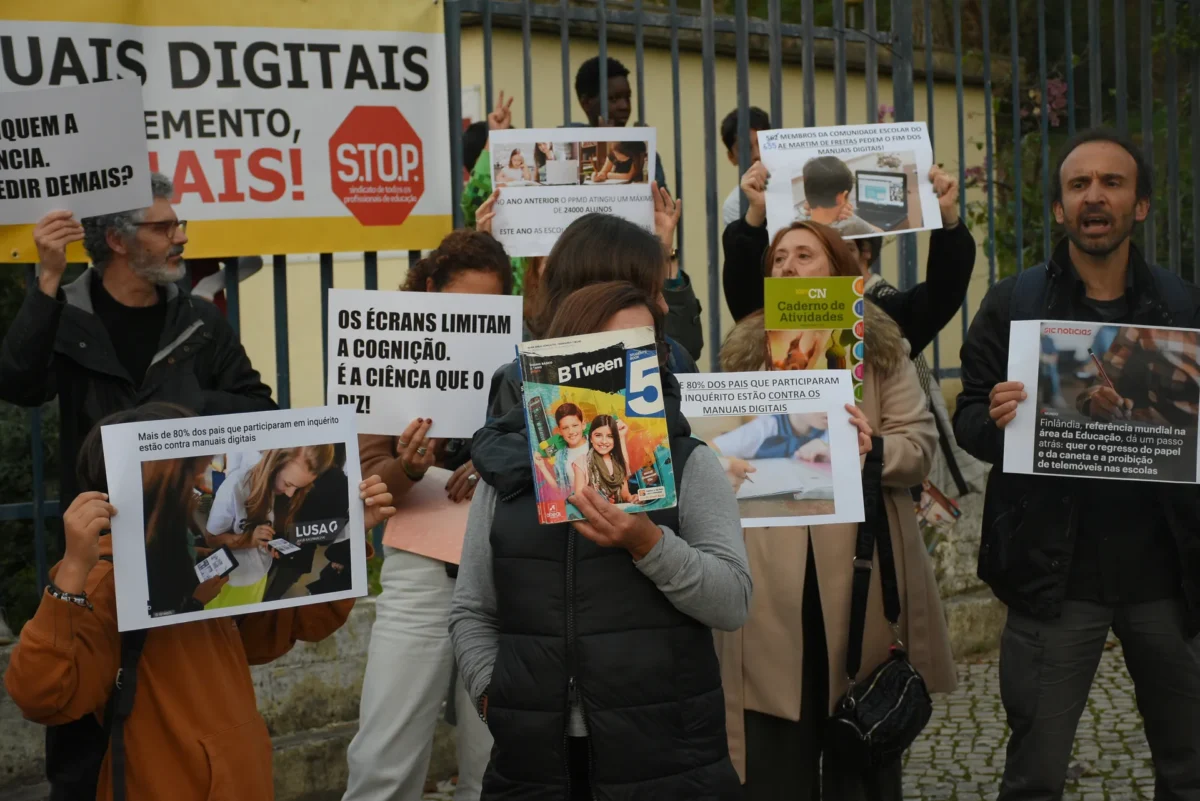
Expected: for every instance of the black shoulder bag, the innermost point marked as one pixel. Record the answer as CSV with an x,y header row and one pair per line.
x,y
878,718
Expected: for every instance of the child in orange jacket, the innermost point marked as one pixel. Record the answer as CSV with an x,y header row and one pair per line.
x,y
195,733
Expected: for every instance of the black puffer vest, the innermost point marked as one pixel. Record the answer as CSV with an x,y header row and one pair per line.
x,y
580,621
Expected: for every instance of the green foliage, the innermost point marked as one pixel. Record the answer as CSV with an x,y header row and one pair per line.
x,y
18,565
374,566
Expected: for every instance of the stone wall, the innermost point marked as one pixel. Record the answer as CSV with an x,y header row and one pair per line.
x,y
309,699
974,616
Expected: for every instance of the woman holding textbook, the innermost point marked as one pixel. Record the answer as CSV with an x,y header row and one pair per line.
x,y
588,646
785,670
410,663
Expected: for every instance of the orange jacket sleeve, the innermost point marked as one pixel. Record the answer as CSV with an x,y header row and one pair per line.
x,y
66,661
269,635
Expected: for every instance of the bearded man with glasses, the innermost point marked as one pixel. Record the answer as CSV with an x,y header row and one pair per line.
x,y
122,334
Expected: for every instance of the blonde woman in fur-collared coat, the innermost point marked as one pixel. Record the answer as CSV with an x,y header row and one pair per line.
x,y
785,669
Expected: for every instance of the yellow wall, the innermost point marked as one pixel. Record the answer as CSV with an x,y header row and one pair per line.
x,y
303,283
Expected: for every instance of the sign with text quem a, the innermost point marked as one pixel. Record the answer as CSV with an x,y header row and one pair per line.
x,y
287,127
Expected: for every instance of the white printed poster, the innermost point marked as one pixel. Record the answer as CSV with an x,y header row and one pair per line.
x,y
863,180
286,127
79,148
194,540
785,441
550,177
1105,401
396,356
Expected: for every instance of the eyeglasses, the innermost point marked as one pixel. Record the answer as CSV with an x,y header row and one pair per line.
x,y
167,227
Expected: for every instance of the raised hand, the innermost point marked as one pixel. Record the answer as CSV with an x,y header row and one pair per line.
x,y
754,186
945,186
501,117
486,213
88,516
51,235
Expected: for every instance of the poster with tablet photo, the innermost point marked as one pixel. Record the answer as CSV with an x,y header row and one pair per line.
x,y
234,514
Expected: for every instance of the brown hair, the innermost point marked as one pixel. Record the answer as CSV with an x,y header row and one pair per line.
x,y
260,498
843,260
568,410
585,311
531,286
596,248
461,250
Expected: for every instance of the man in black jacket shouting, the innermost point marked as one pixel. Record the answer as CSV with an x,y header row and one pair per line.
x,y
122,334
1073,558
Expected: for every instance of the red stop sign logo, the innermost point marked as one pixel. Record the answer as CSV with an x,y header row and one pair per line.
x,y
377,165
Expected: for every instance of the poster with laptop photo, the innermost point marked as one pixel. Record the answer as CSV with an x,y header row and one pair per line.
x,y
235,514
549,177
863,180
785,441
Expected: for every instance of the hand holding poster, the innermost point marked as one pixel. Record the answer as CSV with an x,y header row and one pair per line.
x,y
78,148
1105,401
183,552
550,177
863,180
785,440
816,324
396,356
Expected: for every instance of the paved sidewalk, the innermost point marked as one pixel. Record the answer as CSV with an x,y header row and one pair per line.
x,y
961,754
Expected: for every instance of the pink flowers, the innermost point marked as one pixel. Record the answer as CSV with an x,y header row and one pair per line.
x,y
1056,101
884,112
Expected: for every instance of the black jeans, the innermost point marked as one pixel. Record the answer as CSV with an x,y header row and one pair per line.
x,y
1046,672
783,757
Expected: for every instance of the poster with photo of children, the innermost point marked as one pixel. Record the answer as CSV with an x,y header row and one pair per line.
x,y
862,180
1105,401
229,515
549,177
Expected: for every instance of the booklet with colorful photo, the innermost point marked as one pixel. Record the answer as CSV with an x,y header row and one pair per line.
x,y
816,324
595,412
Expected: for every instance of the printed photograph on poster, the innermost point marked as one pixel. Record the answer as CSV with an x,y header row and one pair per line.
x,y
816,324
78,148
396,356
539,164
863,180
339,141
785,441
228,515
549,177
1105,401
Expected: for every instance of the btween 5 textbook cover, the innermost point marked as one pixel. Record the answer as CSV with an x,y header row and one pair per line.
x,y
594,408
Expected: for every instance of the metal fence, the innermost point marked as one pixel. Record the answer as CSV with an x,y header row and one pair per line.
x,y
1005,218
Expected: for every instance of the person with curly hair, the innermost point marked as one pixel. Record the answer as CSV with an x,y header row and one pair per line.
x,y
410,664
